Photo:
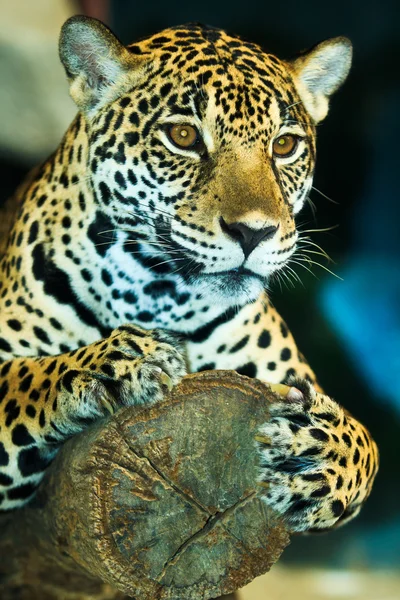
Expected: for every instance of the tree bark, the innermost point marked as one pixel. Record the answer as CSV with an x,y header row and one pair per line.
x,y
154,503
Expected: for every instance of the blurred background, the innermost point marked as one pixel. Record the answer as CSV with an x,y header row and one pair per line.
x,y
348,323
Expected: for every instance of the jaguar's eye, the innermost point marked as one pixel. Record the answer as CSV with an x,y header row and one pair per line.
x,y
183,136
285,145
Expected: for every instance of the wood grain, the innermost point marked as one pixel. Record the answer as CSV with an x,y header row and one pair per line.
x,y
156,503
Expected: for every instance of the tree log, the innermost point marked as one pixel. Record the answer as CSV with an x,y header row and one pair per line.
x,y
156,502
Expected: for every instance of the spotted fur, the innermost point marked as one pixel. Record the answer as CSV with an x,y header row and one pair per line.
x,y
121,226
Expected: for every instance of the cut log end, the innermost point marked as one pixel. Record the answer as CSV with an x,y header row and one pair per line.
x,y
161,502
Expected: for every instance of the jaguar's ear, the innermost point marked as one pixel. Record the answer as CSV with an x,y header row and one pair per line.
x,y
98,65
320,72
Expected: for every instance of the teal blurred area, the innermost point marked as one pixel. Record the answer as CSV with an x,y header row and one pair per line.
x,y
347,324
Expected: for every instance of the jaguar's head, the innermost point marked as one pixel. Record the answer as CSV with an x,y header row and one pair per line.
x,y
201,145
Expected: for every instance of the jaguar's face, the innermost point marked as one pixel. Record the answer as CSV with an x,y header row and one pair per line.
x,y
207,157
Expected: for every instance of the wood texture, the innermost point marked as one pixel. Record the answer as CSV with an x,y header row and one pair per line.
x,y
154,503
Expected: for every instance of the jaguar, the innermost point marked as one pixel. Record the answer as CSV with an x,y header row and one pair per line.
x,y
144,247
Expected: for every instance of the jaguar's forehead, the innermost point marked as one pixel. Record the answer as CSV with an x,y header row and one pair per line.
x,y
207,41
203,61
196,48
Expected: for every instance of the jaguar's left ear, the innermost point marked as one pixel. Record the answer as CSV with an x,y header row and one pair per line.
x,y
320,72
99,67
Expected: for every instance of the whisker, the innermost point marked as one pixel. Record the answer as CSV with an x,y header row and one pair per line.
x,y
153,254
314,245
171,260
278,278
313,207
295,275
319,254
294,261
156,209
157,243
324,195
294,104
320,230
160,243
287,278
313,262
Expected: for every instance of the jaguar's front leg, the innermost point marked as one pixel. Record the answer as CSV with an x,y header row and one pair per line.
x,y
46,400
131,366
318,463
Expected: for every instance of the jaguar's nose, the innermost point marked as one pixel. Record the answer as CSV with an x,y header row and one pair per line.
x,y
247,237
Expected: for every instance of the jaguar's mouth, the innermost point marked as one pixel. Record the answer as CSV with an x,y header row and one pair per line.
x,y
235,285
234,275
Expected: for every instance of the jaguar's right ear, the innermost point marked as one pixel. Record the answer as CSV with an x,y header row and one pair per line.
x,y
98,65
320,72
